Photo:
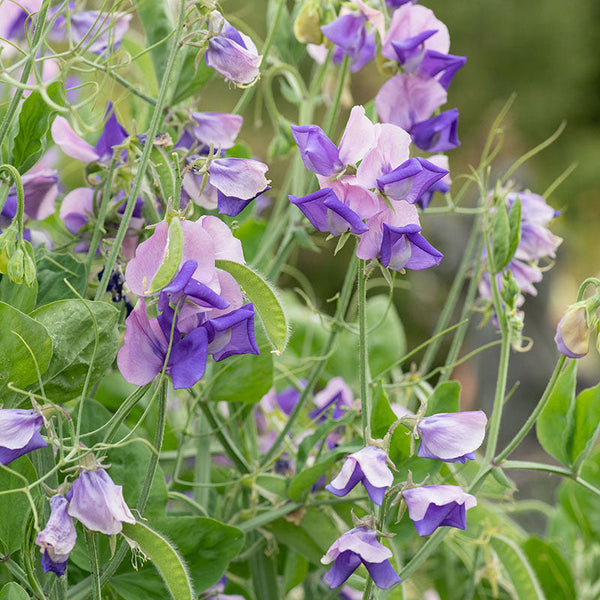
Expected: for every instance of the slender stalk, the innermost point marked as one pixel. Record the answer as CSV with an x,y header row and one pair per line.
x,y
157,117
202,465
363,351
334,109
36,42
343,302
535,414
96,588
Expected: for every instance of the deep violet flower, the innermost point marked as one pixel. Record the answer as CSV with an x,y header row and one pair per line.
x,y
437,134
367,466
405,248
433,506
440,65
350,35
98,504
452,437
58,538
442,186
359,545
40,188
231,53
19,433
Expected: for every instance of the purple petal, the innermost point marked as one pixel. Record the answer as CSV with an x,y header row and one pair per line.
x,y
411,50
56,567
187,361
113,134
76,208
345,564
350,475
434,63
220,129
242,178
232,333
234,56
319,154
59,536
348,32
437,134
383,574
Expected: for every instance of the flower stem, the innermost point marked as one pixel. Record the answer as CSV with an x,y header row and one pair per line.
x,y
334,108
157,117
93,556
363,351
16,177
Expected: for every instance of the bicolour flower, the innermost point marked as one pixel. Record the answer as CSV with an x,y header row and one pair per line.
x,y
433,506
231,53
452,437
98,504
206,128
333,400
58,538
351,38
573,332
408,99
19,433
367,466
438,133
73,145
411,180
359,545
442,186
405,248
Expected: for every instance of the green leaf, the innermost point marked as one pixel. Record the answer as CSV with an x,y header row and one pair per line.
x,y
13,591
445,399
382,415
133,586
206,545
156,18
514,226
73,332
19,295
194,75
12,530
555,424
586,425
290,535
518,569
20,335
246,377
166,559
35,120
501,236
265,301
171,258
52,270
552,571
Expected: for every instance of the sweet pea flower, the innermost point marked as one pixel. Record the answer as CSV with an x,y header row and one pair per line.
x,y
437,134
440,65
367,466
40,188
433,506
407,99
452,437
231,53
58,538
336,397
218,129
442,185
19,433
359,545
98,504
405,248
573,332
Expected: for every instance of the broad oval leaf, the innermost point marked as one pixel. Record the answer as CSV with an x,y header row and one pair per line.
x,y
586,425
555,424
265,301
517,567
164,557
13,591
22,336
445,398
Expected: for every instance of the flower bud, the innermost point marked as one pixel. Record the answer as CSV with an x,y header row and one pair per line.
x,y
573,332
8,244
307,26
14,267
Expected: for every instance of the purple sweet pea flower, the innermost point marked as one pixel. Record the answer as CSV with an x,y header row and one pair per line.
x,y
359,545
573,332
232,333
442,186
349,34
58,538
238,181
336,398
437,134
19,433
285,400
452,437
398,3
319,154
405,248
219,129
327,214
433,506
367,466
445,65
411,180
98,504
231,53
40,188
406,99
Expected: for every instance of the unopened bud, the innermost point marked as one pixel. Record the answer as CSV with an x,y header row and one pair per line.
x,y
29,270
14,267
307,26
573,332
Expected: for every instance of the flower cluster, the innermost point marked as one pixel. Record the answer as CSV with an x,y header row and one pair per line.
x,y
369,186
200,308
95,501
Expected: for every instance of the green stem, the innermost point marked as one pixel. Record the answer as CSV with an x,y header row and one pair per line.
x,y
96,588
452,298
16,177
363,350
157,117
36,42
534,415
336,326
202,465
334,109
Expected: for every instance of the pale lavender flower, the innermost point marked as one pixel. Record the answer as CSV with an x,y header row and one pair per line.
x,y
573,332
40,188
19,433
98,504
452,437
367,466
219,129
58,538
359,545
433,506
335,399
